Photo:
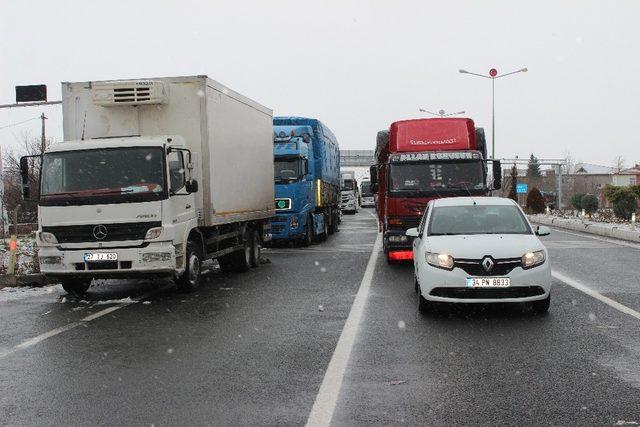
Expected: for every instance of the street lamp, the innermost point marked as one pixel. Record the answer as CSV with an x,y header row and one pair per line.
x,y
440,113
493,75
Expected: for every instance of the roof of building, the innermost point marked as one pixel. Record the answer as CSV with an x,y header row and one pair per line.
x,y
591,169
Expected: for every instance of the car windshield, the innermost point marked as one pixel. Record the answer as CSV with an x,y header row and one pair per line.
x,y
477,219
99,173
436,177
286,170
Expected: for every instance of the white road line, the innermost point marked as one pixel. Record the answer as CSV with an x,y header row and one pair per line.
x,y
325,402
57,331
583,288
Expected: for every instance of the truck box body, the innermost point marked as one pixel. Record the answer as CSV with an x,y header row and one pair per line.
x,y
311,200
229,135
418,160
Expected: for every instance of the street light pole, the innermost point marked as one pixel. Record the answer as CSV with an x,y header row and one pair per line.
x,y
493,75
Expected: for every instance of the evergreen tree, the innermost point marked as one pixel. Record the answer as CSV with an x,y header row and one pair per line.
x,y
533,170
512,185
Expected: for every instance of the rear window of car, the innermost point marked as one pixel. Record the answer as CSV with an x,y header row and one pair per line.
x,y
477,219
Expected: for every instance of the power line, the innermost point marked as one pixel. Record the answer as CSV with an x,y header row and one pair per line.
x,y
19,123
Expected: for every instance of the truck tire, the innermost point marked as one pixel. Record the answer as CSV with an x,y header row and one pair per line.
x,y
255,249
77,287
307,240
335,223
190,279
238,261
331,221
325,229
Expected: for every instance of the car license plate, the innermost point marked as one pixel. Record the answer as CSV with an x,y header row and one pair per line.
x,y
488,282
101,256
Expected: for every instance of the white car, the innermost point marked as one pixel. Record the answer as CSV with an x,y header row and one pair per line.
x,y
479,250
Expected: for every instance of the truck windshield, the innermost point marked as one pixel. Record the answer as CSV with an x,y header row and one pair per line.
x,y
286,170
440,177
365,189
112,175
348,185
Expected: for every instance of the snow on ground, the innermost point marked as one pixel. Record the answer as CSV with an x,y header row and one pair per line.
x,y
603,220
18,293
25,252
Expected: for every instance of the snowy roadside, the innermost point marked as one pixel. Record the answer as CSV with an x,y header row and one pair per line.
x,y
617,230
26,256
18,293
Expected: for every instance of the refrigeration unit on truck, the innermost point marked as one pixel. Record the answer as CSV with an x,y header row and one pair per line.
x,y
154,177
419,160
350,195
366,195
307,180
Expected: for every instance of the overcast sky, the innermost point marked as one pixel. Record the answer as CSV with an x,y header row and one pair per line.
x,y
357,66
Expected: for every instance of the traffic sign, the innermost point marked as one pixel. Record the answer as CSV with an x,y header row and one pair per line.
x,y
521,188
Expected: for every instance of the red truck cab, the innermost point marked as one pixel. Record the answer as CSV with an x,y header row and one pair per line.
x,y
420,160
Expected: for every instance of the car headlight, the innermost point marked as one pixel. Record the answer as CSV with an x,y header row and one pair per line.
x,y
439,260
153,233
294,221
532,259
48,237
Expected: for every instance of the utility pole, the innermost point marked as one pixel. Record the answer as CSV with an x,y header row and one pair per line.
x,y
43,139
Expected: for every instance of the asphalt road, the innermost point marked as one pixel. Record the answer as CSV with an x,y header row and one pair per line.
x,y
255,348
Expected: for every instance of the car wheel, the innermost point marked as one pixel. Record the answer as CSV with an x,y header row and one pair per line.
x,y
190,280
542,306
77,287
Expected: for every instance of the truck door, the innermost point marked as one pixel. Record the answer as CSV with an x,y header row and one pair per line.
x,y
181,204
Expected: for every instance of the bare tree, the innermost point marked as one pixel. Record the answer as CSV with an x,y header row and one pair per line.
x,y
570,163
618,163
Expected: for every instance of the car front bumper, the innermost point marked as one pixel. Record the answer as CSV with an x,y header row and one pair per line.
x,y
437,284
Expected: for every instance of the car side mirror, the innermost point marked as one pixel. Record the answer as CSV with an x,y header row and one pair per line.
x,y
191,186
497,175
412,232
542,230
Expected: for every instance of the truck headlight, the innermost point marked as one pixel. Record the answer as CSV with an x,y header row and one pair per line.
x,y
156,256
47,237
439,260
532,259
50,260
294,221
153,233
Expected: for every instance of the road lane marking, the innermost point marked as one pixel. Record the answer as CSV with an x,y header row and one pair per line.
x,y
57,331
583,288
325,403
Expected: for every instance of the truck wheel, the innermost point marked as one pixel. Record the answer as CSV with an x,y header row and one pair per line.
x,y
190,279
325,229
308,235
255,249
77,287
335,224
332,221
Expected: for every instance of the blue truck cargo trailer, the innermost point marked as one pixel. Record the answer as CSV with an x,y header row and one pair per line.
x,y
307,180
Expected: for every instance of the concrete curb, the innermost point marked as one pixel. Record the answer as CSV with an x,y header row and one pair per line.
x,y
7,280
587,227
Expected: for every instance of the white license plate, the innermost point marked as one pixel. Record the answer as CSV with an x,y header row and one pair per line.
x,y
488,282
102,256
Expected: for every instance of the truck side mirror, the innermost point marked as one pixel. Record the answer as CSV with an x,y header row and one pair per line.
x,y
497,175
308,177
373,174
24,177
191,186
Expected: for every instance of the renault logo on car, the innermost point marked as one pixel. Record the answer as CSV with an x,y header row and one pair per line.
x,y
487,264
100,232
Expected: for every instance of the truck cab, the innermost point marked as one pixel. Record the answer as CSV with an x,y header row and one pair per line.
x,y
366,194
349,193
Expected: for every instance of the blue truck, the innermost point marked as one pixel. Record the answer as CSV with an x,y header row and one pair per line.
x,y
307,180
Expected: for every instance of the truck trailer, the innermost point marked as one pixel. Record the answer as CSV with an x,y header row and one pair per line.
x,y
154,177
419,160
307,180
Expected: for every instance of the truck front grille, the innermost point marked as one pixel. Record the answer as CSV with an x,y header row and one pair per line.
x,y
92,232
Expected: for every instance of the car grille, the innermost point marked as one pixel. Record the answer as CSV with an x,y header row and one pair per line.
x,y
502,267
114,232
488,293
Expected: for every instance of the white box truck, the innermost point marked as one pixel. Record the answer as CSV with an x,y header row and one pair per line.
x,y
154,177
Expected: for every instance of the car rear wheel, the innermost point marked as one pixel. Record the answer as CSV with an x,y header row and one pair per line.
x,y
542,306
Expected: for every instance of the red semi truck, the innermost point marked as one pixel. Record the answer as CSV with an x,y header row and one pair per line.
x,y
420,160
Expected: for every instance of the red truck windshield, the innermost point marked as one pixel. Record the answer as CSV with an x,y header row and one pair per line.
x,y
437,177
